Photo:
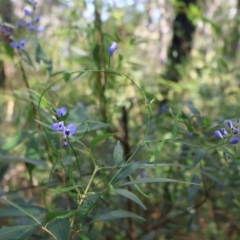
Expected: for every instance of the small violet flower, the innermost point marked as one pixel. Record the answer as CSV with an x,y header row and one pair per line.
x,y
61,111
37,19
58,127
235,131
112,48
21,23
18,45
218,134
27,12
234,141
70,129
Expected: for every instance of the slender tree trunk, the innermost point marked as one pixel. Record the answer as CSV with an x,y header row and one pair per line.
x,y
181,45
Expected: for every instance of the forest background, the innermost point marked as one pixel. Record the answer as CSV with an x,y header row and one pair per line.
x,y
145,161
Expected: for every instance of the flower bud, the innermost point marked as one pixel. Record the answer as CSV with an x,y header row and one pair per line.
x,y
234,141
224,131
218,134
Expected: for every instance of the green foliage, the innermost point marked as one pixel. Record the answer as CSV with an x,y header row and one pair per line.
x,y
144,162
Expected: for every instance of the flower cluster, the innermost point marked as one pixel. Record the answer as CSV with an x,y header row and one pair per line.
x,y
220,134
60,127
30,22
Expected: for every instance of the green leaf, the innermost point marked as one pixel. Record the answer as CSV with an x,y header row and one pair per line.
x,y
11,159
175,125
98,139
116,214
199,155
20,232
193,110
60,214
10,211
22,210
157,151
207,122
118,153
26,57
152,180
192,192
130,196
63,190
60,228
82,236
126,171
15,141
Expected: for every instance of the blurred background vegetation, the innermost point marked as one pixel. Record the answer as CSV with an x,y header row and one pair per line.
x,y
183,55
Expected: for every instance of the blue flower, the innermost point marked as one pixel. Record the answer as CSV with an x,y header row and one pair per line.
x,y
224,131
39,29
234,140
27,12
61,111
37,19
229,123
69,130
235,131
18,45
31,27
58,127
21,23
218,134
112,48
65,143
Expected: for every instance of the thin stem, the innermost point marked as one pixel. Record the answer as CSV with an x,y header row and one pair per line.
x,y
49,232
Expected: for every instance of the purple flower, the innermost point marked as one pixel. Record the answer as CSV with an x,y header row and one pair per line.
x,y
70,129
40,29
112,48
218,134
65,143
31,27
61,111
27,12
229,123
6,31
235,131
58,127
21,23
37,19
234,141
224,131
18,45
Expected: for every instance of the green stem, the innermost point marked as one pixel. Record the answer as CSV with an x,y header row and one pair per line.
x,y
50,233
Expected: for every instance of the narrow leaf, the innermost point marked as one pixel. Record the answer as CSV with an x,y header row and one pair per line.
x,y
22,210
152,180
157,151
192,192
116,214
130,196
118,153
126,171
17,232
60,228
